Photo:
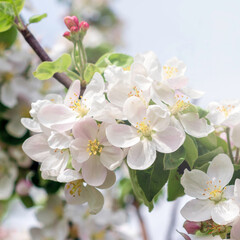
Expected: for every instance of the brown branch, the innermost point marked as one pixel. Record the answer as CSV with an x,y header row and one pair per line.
x,y
142,224
37,48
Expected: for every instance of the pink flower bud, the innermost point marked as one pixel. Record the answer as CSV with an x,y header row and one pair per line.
x,y
67,35
23,187
74,29
71,21
192,227
84,26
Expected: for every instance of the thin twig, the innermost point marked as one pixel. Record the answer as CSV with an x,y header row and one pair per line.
x,y
37,48
237,156
142,224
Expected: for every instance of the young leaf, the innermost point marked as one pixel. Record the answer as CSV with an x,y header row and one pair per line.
x,y
201,112
18,4
120,60
175,189
47,69
210,142
8,37
173,160
37,18
6,16
191,150
89,72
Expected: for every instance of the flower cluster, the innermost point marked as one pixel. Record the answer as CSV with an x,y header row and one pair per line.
x,y
135,113
216,209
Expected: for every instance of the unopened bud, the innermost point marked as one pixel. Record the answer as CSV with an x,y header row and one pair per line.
x,y
23,187
192,227
67,35
84,26
74,29
71,22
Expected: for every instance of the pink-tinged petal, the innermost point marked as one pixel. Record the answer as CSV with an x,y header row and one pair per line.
x,y
85,129
31,125
78,149
95,200
135,110
94,173
197,210
111,157
75,192
142,155
102,138
235,232
95,86
235,133
194,183
195,126
161,92
221,168
237,190
169,140
59,140
109,181
73,93
121,135
185,236
225,212
36,147
159,118
177,83
69,175
57,117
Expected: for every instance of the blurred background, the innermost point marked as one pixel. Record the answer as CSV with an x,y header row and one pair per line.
x,y
204,34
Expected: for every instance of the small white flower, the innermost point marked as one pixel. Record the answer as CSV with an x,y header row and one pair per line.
x,y
213,198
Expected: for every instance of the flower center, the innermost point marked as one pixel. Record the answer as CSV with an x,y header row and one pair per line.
x,y
181,104
170,71
127,68
226,110
135,92
215,191
94,147
7,77
144,128
211,227
79,107
75,187
99,235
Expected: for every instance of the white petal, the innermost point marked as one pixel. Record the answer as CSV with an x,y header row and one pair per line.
x,y
192,93
109,181
168,140
8,95
59,140
95,200
225,212
177,82
93,172
221,168
36,147
197,210
194,183
85,129
31,124
121,135
235,135
73,93
142,155
69,175
6,186
78,149
15,128
228,192
235,232
237,190
195,126
111,157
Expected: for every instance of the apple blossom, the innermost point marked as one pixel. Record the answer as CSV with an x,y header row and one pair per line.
x,y
213,198
150,132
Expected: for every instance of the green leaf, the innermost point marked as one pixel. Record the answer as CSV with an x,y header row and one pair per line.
x,y
27,201
89,72
6,16
103,62
209,142
8,37
173,160
191,150
37,18
201,112
205,158
15,3
175,189
189,109
47,69
120,60
223,144
148,183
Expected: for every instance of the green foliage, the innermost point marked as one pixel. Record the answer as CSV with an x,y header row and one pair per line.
x,y
125,188
8,37
18,4
47,69
173,160
37,18
201,112
27,201
175,189
148,183
6,16
89,72
191,150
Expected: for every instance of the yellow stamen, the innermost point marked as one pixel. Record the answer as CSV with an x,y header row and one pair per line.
x,y
94,147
